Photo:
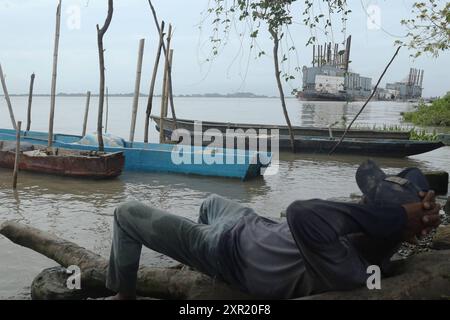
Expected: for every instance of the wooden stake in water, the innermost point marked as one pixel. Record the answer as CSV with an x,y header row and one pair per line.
x,y
30,101
169,85
8,100
107,110
86,113
164,96
137,89
54,75
153,82
172,105
16,162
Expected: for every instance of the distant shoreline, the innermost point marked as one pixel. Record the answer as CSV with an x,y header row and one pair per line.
x,y
130,95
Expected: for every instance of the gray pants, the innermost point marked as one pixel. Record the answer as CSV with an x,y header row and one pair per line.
x,y
193,244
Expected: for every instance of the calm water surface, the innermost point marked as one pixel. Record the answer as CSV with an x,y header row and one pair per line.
x,y
82,211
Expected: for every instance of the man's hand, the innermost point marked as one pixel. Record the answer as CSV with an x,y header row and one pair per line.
x,y
422,216
428,199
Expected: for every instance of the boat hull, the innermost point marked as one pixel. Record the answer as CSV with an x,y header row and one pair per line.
x,y
283,130
145,157
382,148
316,96
67,163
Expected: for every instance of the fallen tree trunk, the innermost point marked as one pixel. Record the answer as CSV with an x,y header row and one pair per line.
x,y
424,276
163,283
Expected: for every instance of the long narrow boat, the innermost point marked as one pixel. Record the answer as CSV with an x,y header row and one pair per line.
x,y
63,162
150,157
393,148
168,123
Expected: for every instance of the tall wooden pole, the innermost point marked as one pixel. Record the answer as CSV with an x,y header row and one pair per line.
x,y
107,110
8,100
164,96
86,113
17,158
54,75
166,51
101,53
153,82
137,89
169,85
30,101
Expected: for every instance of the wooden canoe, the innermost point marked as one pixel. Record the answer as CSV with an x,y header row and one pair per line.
x,y
151,157
391,148
283,130
63,162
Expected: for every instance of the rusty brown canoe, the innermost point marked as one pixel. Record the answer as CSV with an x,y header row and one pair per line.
x,y
63,162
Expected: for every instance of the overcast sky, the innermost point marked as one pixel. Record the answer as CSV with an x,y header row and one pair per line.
x,y
27,30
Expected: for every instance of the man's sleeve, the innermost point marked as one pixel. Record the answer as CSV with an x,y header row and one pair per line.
x,y
320,229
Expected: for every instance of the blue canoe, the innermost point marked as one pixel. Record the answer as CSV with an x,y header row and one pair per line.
x,y
150,157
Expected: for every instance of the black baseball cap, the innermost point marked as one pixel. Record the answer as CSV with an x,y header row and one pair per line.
x,y
381,189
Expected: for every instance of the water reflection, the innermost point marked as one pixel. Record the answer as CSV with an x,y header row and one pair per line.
x,y
324,114
81,210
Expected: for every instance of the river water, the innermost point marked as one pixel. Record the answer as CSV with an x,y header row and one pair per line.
x,y
81,211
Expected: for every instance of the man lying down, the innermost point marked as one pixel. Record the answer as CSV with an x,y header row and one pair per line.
x,y
323,245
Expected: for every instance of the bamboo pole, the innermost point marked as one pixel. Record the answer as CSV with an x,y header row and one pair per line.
x,y
54,75
137,89
169,85
153,82
166,50
167,88
164,95
107,110
8,100
30,101
86,113
101,55
17,158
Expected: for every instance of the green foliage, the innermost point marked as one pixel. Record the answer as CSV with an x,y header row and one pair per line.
x,y
273,15
276,14
436,114
429,31
423,135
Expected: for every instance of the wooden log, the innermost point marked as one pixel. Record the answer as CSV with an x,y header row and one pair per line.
x,y
8,100
137,89
86,113
17,158
101,56
51,284
153,82
30,101
165,283
164,96
423,276
54,75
